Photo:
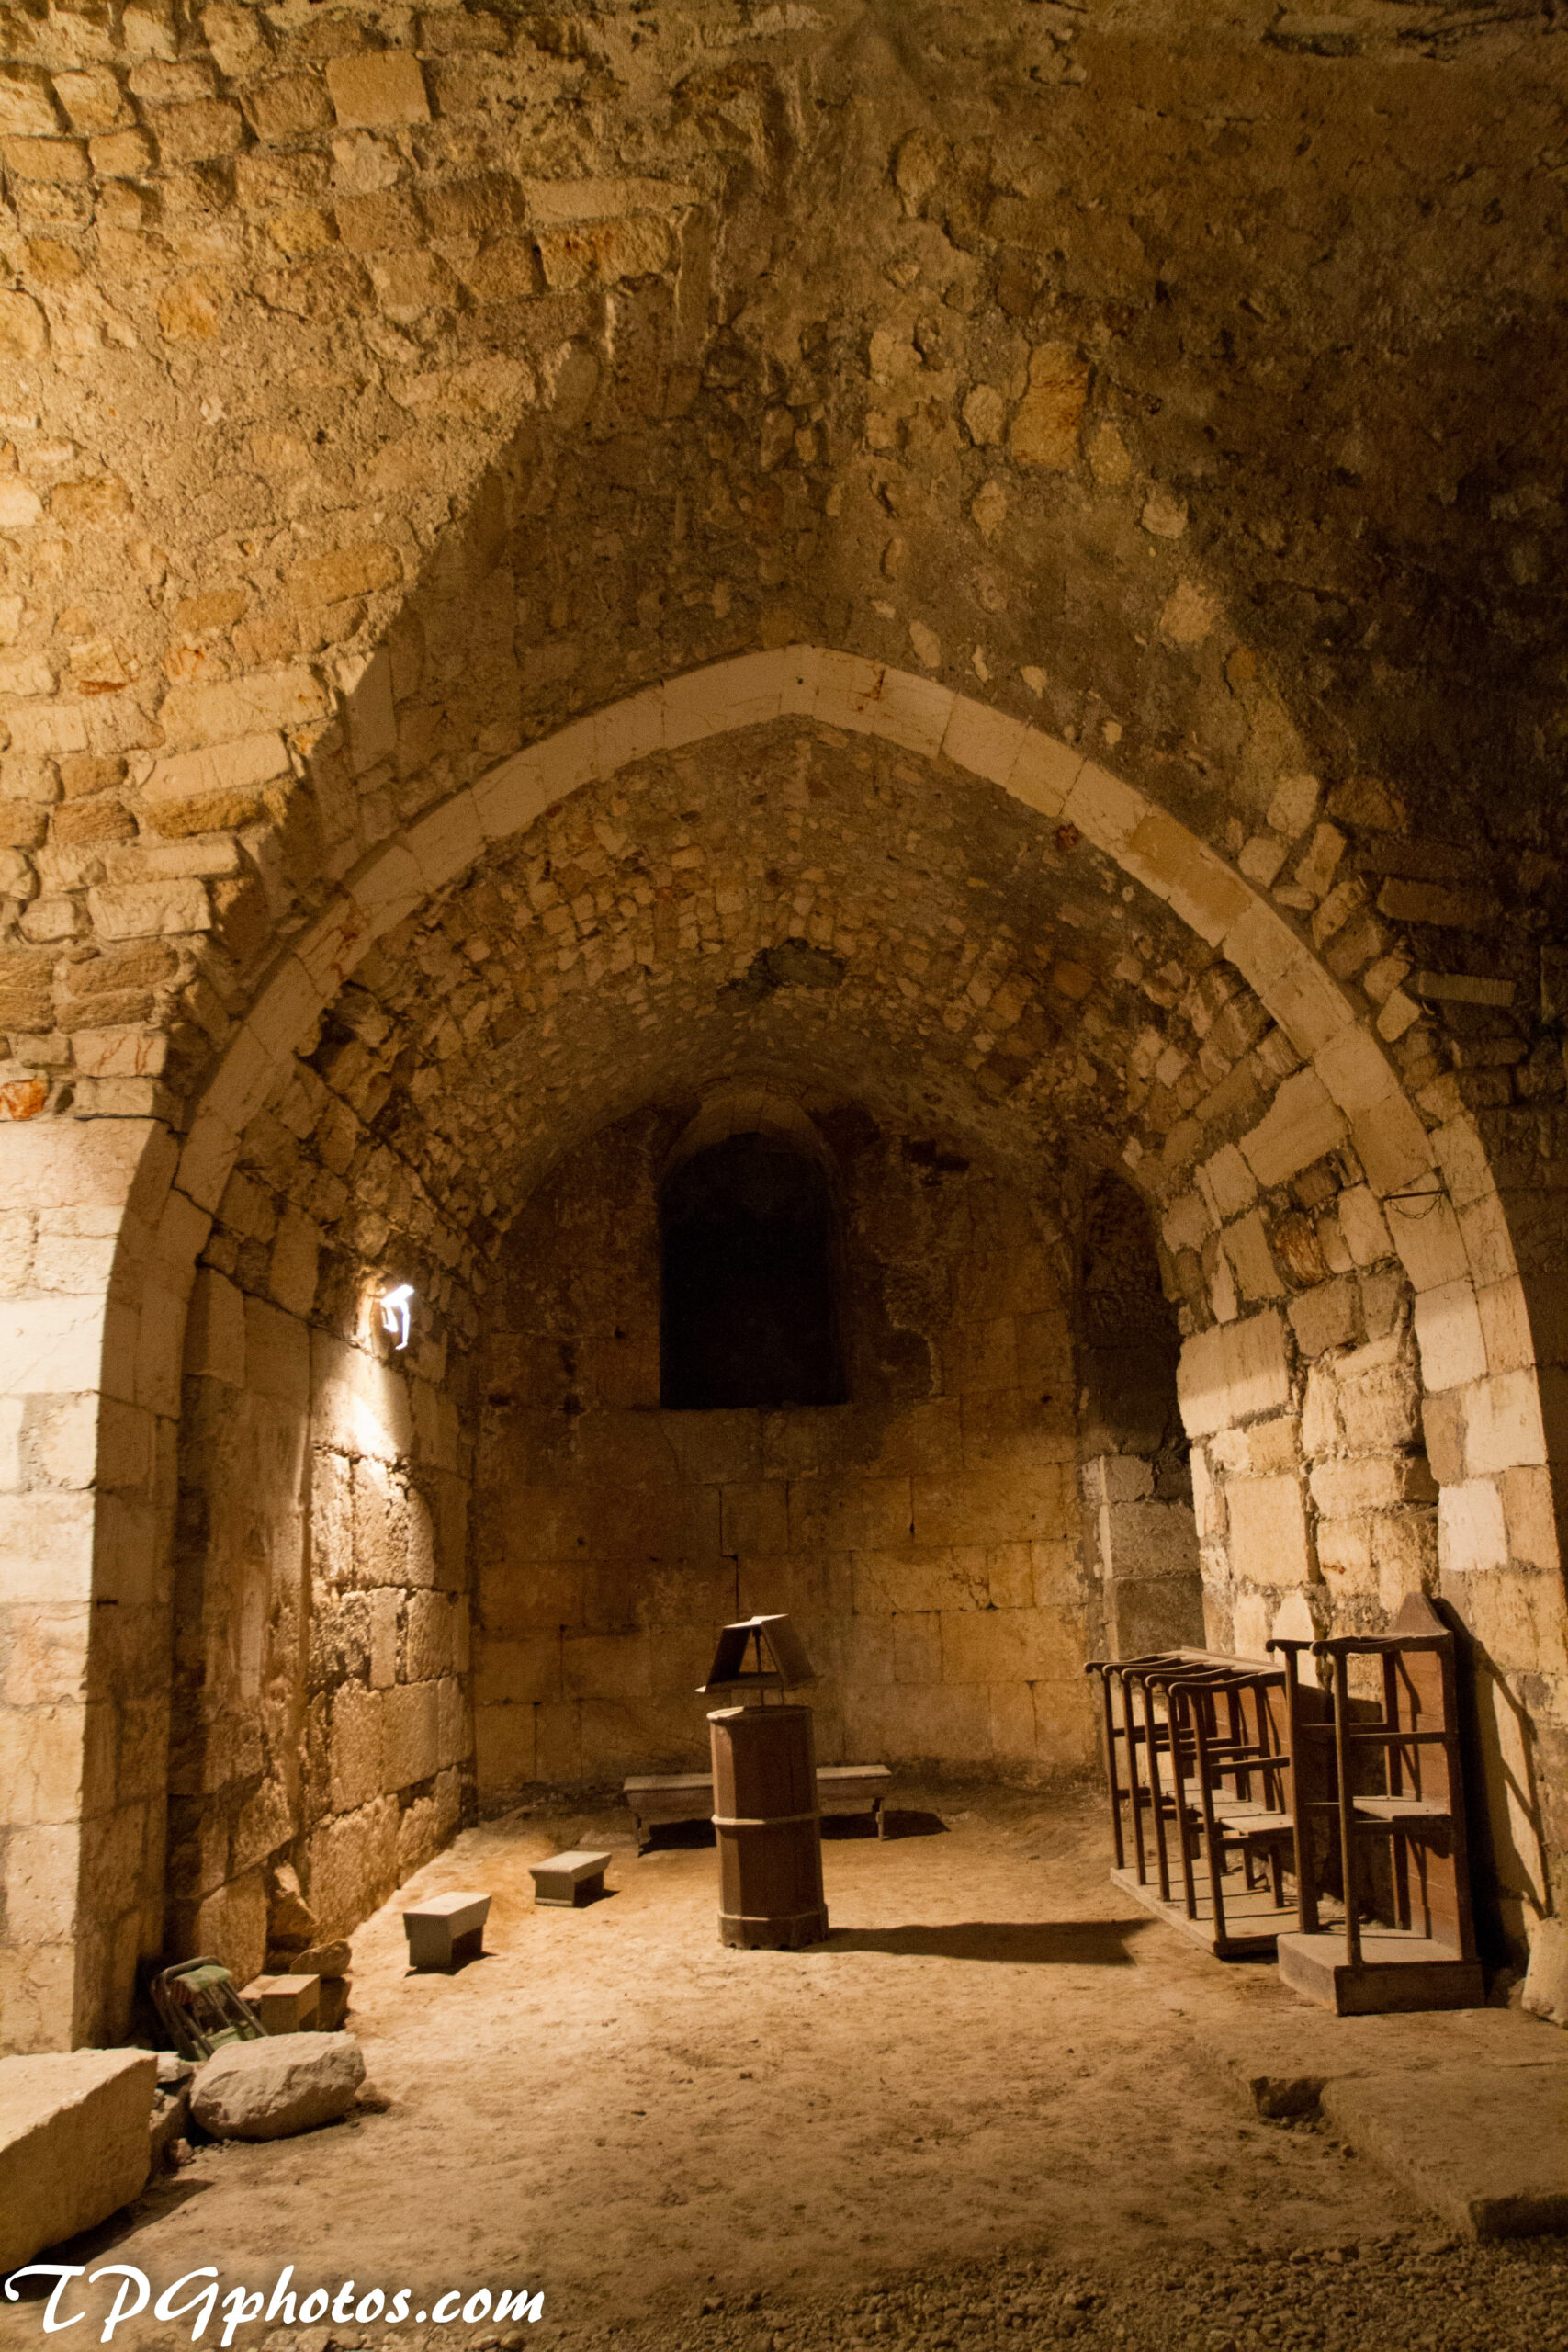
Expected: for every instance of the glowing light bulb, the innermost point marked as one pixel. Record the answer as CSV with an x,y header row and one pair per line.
x,y
395,1305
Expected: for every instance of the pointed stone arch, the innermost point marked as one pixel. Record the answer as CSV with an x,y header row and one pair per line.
x,y
116,1355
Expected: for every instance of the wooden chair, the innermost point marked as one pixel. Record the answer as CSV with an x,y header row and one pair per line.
x,y
1396,1775
1196,1759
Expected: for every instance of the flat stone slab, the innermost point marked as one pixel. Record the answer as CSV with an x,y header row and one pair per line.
x,y
1485,2147
446,1929
1282,2063
572,1879
74,2144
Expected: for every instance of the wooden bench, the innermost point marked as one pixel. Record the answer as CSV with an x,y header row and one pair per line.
x,y
661,1797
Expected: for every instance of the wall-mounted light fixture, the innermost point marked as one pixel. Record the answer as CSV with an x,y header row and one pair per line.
x,y
394,1306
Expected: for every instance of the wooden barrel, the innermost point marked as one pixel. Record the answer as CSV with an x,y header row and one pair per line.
x,y
768,1827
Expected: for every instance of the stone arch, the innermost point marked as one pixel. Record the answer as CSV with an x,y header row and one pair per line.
x,y
738,1110
155,1210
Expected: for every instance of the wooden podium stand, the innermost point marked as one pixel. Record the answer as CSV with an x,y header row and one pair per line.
x,y
766,1816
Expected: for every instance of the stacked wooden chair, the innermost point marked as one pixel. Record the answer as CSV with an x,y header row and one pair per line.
x,y
1200,1783
1387,1839
1228,1776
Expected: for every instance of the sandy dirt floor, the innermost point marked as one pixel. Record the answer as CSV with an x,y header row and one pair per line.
x,y
996,2060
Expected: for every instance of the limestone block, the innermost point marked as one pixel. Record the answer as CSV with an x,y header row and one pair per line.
x,y
1246,1246
726,695
410,1733
1014,1646
755,1519
1300,1124
1503,1425
504,1745
985,741
1404,1553
1232,1372
1045,423
360,1767
377,89
151,910
1196,884
602,251
606,1665
1145,1613
915,712
43,1757
192,716
231,1923
1045,773
1370,1482
1530,1506
1379,1396
74,2143
1546,1979
45,1548
273,2088
1345,1548
428,1645
1117,1478
1013,1502
1362,1223
276,1354
917,1648
193,791
1149,1539
1327,1317
361,1406
1509,1310
354,1865
1472,1528
1269,1539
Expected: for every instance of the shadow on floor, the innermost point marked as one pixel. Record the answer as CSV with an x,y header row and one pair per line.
x,y
678,1833
165,2194
899,1823
1060,1943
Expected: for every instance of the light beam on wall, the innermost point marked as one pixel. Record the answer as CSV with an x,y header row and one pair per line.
x,y
394,1306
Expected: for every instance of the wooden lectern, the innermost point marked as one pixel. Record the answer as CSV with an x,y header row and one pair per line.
x,y
764,1785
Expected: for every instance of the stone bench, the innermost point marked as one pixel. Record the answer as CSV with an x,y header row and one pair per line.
x,y
446,1929
688,1796
285,2004
570,1879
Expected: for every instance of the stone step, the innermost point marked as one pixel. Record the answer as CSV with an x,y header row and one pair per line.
x,y
1485,2147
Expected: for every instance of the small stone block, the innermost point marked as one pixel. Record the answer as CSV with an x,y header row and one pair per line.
x,y
445,1929
568,1879
284,2004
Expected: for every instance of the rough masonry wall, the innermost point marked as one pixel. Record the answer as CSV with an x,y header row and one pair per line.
x,y
924,1535
322,1621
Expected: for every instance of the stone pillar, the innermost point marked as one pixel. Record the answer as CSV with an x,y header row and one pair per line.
x,y
84,1629
1145,1550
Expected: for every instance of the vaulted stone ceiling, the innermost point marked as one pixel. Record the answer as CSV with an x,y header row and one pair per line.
x,y
843,916
1187,383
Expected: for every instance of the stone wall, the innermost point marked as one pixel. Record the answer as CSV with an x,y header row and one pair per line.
x,y
923,1535
320,1623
